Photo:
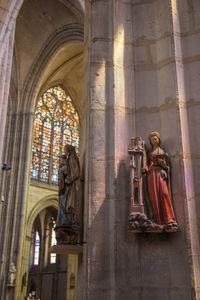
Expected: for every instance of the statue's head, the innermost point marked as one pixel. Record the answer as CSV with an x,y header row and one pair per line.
x,y
69,149
154,138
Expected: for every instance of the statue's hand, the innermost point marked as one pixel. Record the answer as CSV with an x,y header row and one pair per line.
x,y
164,174
162,163
68,180
145,170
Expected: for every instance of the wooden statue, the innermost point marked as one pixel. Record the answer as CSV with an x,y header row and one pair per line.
x,y
68,218
158,213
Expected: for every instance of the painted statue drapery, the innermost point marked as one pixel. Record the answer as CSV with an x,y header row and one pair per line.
x,y
68,218
153,211
158,188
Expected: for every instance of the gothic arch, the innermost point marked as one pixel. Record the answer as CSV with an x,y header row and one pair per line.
x,y
12,8
41,204
68,89
71,33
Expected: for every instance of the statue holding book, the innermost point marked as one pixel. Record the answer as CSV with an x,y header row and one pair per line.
x,y
155,213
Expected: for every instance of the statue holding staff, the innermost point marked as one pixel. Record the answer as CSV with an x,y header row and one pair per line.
x,y
158,213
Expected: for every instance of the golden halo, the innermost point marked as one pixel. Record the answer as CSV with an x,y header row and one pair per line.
x,y
154,133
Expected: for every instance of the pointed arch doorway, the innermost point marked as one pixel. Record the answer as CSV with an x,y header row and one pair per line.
x,y
47,275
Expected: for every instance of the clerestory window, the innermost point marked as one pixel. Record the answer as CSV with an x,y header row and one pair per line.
x,y
56,123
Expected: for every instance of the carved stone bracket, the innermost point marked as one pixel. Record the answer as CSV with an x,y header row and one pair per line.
x,y
138,222
67,235
66,249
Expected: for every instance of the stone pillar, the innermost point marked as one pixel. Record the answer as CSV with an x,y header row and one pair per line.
x,y
72,276
8,13
5,72
186,27
13,209
130,90
108,123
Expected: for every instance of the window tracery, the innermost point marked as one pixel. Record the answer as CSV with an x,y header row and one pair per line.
x,y
56,123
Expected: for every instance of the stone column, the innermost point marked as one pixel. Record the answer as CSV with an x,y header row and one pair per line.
x,y
130,95
5,72
13,209
8,13
186,26
108,125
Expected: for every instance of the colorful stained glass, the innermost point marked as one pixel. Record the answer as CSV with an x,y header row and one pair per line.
x,y
56,123
37,249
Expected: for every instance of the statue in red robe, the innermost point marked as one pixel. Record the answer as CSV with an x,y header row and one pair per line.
x,y
158,185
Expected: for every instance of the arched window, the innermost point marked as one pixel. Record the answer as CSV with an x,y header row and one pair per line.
x,y
56,124
45,266
36,249
53,241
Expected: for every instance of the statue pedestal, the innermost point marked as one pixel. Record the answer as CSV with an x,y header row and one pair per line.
x,y
66,249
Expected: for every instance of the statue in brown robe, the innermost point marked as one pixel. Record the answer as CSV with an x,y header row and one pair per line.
x,y
67,223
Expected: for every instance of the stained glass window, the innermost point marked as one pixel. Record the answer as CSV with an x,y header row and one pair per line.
x,y
56,124
37,249
53,242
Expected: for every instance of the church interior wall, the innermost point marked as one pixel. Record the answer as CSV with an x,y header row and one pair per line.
x,y
189,60
190,51
154,76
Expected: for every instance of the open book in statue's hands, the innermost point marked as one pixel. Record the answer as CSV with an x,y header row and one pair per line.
x,y
161,160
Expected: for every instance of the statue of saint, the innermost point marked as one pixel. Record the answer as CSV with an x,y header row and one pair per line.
x,y
11,274
158,213
158,184
67,222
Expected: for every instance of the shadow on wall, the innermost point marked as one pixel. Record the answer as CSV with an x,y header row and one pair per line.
x,y
147,264
139,266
